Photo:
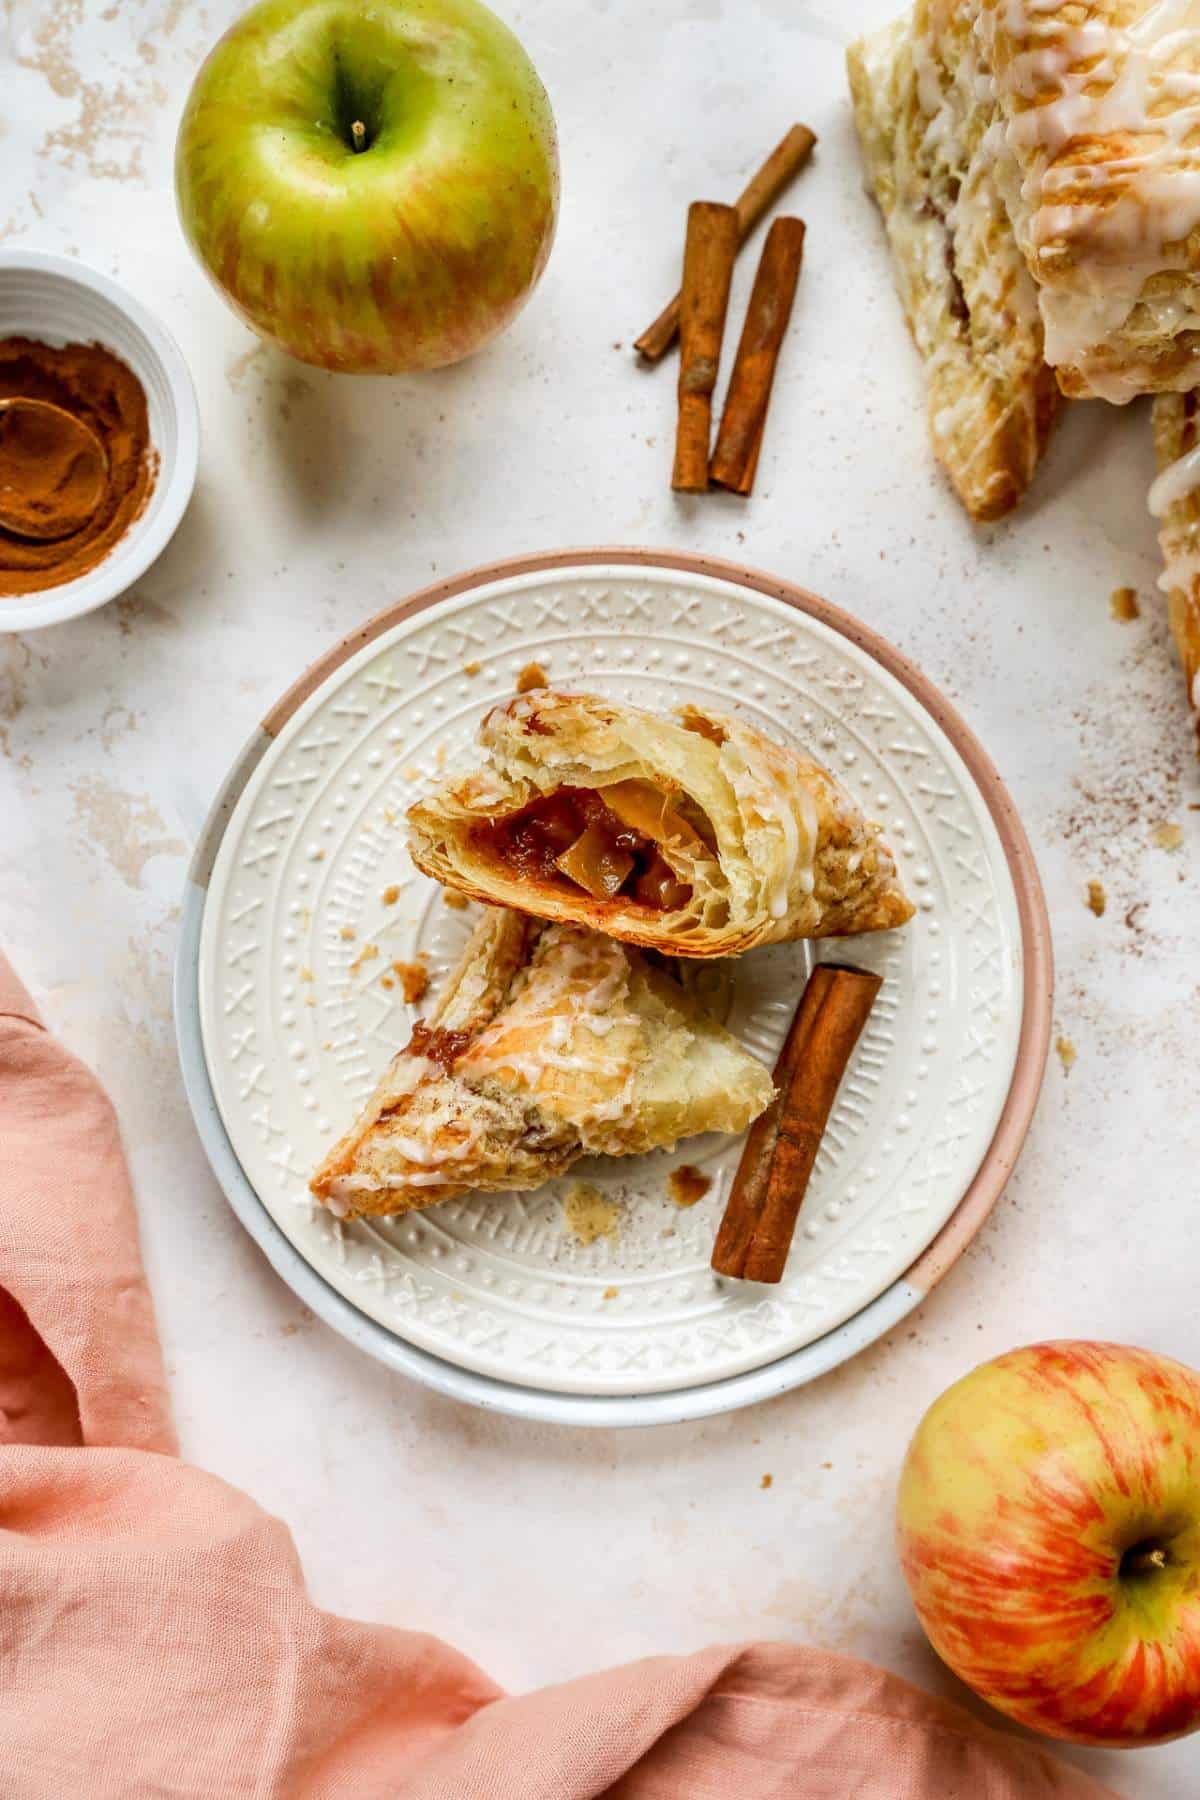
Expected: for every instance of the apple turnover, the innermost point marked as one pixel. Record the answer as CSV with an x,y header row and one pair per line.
x,y
694,835
970,302
548,1043
1175,503
1069,131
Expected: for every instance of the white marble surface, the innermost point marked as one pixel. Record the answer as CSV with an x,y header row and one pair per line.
x,y
320,498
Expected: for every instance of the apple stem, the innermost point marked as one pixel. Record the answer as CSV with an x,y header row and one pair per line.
x,y
358,132
1143,1561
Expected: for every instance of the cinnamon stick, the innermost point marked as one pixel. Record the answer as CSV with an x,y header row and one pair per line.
x,y
735,459
781,1148
707,271
760,194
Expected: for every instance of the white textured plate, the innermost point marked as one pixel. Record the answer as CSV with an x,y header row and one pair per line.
x,y
300,1011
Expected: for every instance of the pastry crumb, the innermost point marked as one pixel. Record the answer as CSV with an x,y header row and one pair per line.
x,y
610,1293
385,981
412,773
588,1214
414,980
767,1481
1168,835
389,815
306,973
455,901
310,1000
1097,899
1068,1056
532,676
367,954
1124,604
471,668
347,934
439,756
390,895
687,1184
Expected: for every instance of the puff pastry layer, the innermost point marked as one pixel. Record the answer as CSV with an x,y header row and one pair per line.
x,y
549,1043
967,294
732,840
1087,113
1175,502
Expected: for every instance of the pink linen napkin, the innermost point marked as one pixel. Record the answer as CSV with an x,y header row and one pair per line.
x,y
155,1633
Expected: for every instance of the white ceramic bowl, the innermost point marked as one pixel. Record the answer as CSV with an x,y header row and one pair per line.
x,y
62,302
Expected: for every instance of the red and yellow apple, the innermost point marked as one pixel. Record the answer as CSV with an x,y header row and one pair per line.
x,y
372,184
1049,1529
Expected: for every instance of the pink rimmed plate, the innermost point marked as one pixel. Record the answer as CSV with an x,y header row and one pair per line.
x,y
301,899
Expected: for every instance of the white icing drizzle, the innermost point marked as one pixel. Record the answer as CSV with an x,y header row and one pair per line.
x,y
577,989
950,216
1141,82
1175,483
343,1188
429,1155
766,796
1169,501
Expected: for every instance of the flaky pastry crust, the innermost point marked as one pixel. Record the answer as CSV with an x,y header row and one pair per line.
x,y
548,1043
775,849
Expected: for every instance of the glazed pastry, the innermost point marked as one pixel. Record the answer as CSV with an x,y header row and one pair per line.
x,y
1175,503
693,835
549,1043
1088,115
968,297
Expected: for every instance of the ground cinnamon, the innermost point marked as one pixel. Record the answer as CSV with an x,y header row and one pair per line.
x,y
781,1149
101,391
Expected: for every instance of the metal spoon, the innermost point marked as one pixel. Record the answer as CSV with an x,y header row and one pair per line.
x,y
53,470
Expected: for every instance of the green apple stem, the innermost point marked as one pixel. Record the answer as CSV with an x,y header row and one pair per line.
x,y
358,132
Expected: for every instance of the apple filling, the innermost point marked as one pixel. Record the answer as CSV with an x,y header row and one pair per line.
x,y
609,843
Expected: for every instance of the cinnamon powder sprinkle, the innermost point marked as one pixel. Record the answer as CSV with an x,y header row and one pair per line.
x,y
532,676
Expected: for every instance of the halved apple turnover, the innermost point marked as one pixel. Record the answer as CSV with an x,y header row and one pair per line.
x,y
549,1043
695,835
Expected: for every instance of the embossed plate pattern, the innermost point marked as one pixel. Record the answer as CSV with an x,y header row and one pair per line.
x,y
313,899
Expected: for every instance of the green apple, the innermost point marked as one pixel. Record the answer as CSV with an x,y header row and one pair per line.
x,y
372,184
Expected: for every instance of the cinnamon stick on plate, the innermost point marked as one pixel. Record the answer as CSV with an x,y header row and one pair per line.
x,y
764,188
781,1148
707,271
735,459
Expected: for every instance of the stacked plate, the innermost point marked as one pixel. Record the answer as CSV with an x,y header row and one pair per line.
x,y
302,897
